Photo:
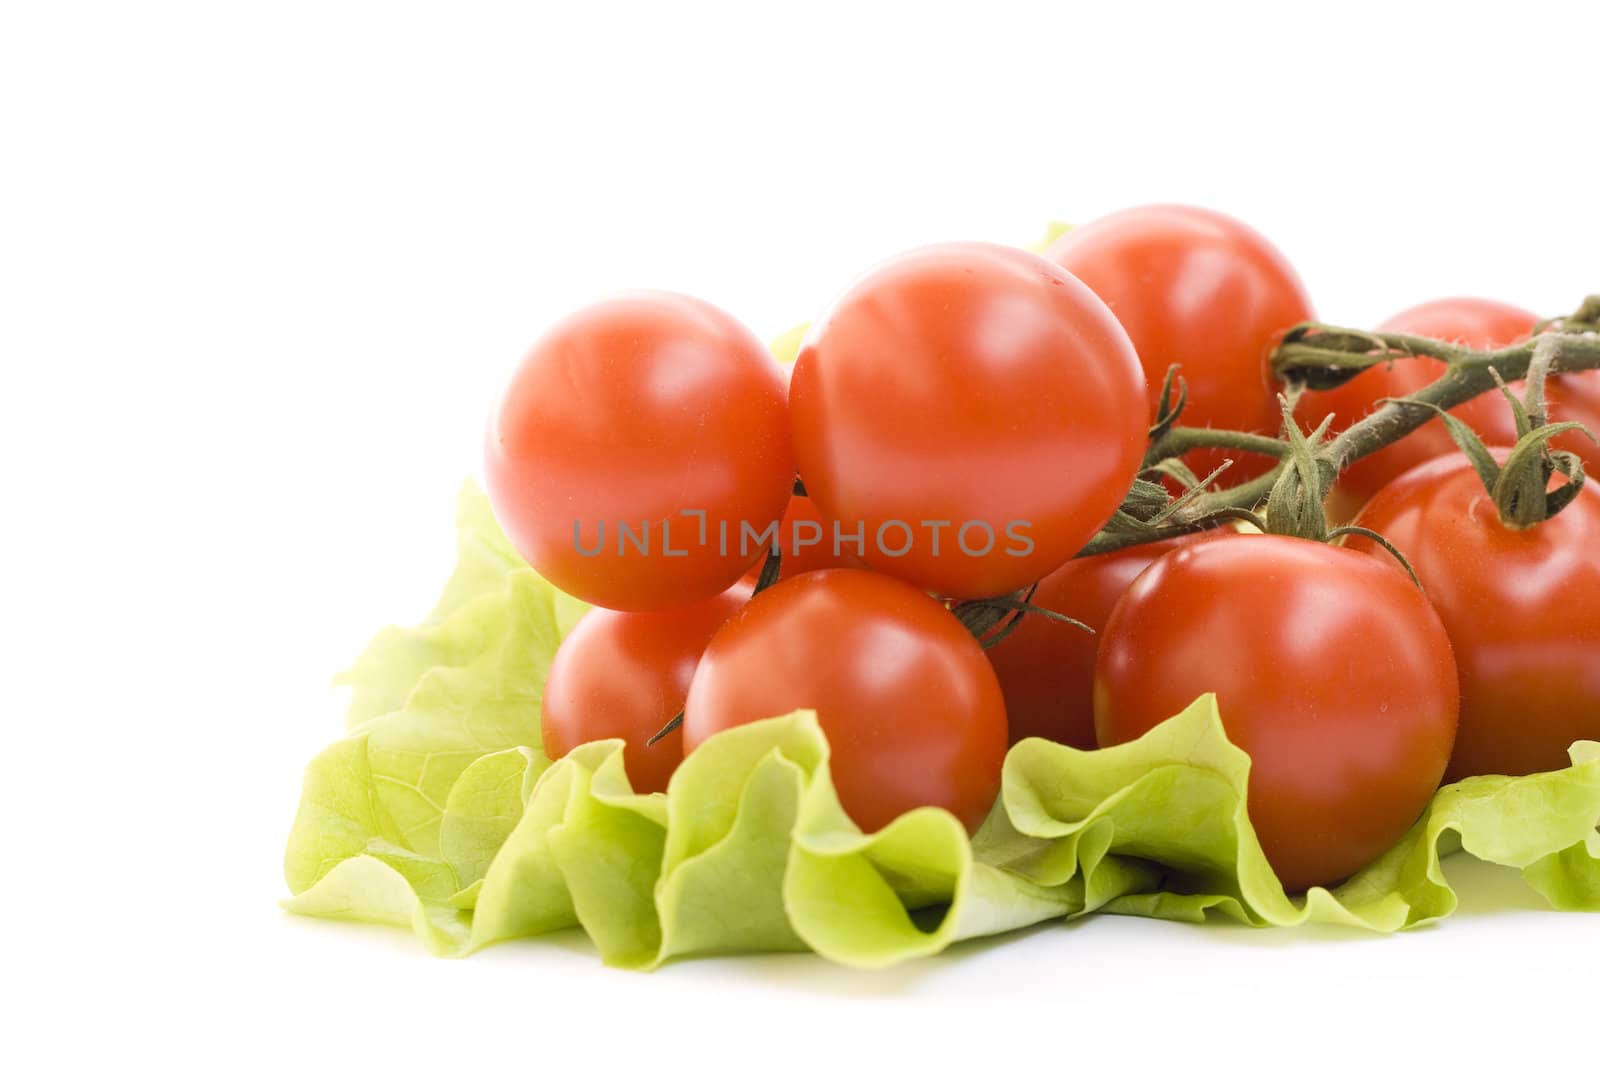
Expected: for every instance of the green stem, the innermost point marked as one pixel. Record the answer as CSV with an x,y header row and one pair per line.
x,y
1471,374
1211,512
1180,439
1319,356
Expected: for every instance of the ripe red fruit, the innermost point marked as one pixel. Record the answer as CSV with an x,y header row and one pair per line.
x,y
911,709
624,416
1331,670
1200,289
626,674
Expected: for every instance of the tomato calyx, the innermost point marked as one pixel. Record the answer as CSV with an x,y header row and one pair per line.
x,y
1149,505
1149,513
1318,355
1520,487
993,619
1585,320
1294,506
1170,407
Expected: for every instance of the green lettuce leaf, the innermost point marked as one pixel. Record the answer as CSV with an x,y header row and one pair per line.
x,y
1176,798
454,632
441,813
1053,232
786,346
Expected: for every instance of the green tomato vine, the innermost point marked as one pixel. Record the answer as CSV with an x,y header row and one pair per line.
x,y
1319,356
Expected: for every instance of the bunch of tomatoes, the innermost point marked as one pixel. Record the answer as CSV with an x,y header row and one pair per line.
x,y
955,429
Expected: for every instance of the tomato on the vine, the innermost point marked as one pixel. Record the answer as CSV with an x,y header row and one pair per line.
x,y
972,412
1045,666
1522,608
626,674
631,445
911,709
1330,668
1475,323
1205,291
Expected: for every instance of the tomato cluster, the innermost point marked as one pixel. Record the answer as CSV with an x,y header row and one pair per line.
x,y
891,539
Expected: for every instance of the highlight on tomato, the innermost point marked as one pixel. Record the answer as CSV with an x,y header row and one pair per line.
x,y
1202,290
972,412
911,708
1331,670
634,449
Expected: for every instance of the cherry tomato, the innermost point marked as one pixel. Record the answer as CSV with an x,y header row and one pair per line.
x,y
973,411
806,543
626,674
622,418
1466,321
1485,324
1575,398
910,706
1045,667
1330,668
1522,608
1202,290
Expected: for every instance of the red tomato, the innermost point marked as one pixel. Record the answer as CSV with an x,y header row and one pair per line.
x,y
911,709
1046,668
626,674
1575,398
1484,324
1331,670
1203,290
621,418
806,543
1465,321
1522,608
974,411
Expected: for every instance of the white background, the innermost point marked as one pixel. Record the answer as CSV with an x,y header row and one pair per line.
x,y
262,267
